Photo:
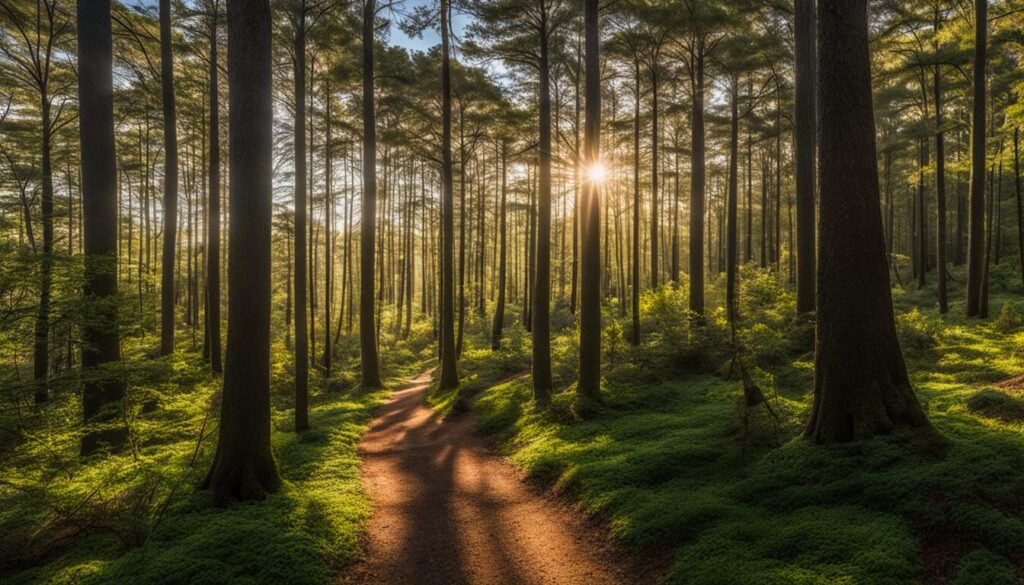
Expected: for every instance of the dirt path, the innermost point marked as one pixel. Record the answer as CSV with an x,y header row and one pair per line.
x,y
446,510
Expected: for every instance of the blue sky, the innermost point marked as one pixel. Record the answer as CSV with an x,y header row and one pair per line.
x,y
429,38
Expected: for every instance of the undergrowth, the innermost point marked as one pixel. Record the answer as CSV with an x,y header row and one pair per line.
x,y
673,462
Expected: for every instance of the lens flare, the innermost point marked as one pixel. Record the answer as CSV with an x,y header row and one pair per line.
x,y
596,173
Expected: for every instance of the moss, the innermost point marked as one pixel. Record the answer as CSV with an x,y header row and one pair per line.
x,y
137,518
664,463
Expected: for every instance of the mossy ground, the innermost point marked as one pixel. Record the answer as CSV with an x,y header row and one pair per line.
x,y
137,517
670,464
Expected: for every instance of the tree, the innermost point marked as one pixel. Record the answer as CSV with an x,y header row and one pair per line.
x,y
103,390
29,42
520,32
589,385
861,387
806,127
369,367
976,198
213,205
449,364
301,263
243,465
170,182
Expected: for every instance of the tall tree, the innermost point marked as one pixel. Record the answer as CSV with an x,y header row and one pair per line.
x,y
30,42
806,126
243,465
976,197
369,367
103,389
861,387
449,358
170,181
212,255
589,385
301,205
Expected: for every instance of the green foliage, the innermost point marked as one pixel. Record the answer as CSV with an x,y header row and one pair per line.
x,y
665,462
136,517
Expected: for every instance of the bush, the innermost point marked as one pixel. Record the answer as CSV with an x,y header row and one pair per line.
x,y
918,332
1010,317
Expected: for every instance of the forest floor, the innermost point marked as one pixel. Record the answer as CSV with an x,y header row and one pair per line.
x,y
448,511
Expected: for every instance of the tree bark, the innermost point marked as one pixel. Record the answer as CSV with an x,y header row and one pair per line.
x,y
861,385
806,127
499,306
369,364
103,390
589,385
540,315
449,357
170,182
976,198
243,465
301,203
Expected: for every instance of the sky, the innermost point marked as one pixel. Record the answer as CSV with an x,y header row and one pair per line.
x,y
429,38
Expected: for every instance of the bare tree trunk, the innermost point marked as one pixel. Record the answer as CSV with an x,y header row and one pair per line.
x,y
170,182
589,385
861,385
976,209
103,390
449,364
243,465
369,363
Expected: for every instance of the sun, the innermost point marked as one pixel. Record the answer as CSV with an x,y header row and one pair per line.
x,y
596,173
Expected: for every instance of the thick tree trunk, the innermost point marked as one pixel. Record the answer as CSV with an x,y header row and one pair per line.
x,y
243,465
103,390
861,385
170,182
976,198
806,127
589,385
369,364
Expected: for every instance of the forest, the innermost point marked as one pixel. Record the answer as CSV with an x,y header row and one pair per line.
x,y
569,292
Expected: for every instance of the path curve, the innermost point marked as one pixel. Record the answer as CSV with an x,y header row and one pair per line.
x,y
447,511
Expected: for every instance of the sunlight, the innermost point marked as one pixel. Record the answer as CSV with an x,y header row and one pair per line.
x,y
597,173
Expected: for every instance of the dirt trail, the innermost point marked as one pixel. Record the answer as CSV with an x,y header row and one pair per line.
x,y
446,510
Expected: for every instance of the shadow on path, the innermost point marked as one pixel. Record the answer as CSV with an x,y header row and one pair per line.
x,y
448,511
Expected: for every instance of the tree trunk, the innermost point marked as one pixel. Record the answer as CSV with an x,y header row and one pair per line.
x,y
499,306
449,363
212,252
170,182
301,295
861,387
103,390
654,175
976,201
731,204
540,315
243,465
940,192
697,181
589,385
635,338
368,365
806,126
